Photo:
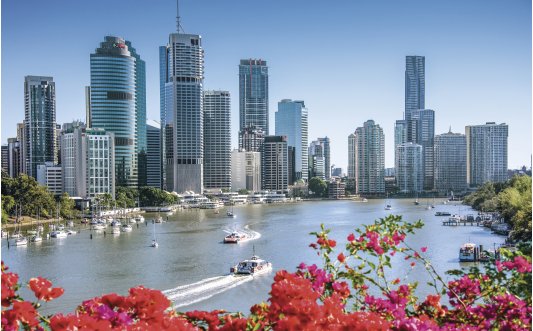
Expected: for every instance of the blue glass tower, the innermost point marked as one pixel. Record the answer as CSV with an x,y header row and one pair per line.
x,y
113,104
253,94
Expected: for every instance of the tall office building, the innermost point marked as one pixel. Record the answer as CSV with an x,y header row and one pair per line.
x,y
39,122
87,161
292,121
253,94
415,85
5,158
251,139
486,153
245,170
217,140
275,164
116,83
21,138
153,154
319,158
327,156
400,132
423,133
181,95
450,162
408,168
351,157
370,159
15,157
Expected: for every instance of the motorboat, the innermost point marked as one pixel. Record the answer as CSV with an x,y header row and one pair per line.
x,y
455,218
61,227
467,253
230,213
37,238
253,266
234,237
388,207
132,220
115,230
98,227
22,241
71,232
16,235
159,219
442,213
58,234
126,228
154,244
140,218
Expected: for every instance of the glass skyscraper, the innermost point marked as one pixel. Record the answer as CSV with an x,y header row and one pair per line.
x,y
423,133
153,153
253,94
39,122
408,166
370,159
181,96
415,84
217,140
116,84
292,121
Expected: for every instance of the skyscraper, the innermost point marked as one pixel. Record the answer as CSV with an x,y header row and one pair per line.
x,y
181,95
21,137
39,122
253,94
351,157
486,153
415,85
450,162
423,133
292,121
153,153
5,158
14,157
408,164
113,103
327,156
217,140
319,158
275,164
251,139
370,159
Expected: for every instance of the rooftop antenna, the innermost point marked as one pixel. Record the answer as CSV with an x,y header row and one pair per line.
x,y
178,23
450,131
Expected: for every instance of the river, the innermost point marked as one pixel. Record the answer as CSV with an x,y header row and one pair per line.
x,y
191,264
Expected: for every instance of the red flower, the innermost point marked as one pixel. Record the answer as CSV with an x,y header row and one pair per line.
x,y
22,312
424,249
9,286
42,289
351,237
341,258
332,243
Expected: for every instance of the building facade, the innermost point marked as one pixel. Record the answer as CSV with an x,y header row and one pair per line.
x,y
39,122
253,94
5,158
319,158
450,162
370,159
15,158
415,86
292,121
486,153
113,103
351,157
181,96
423,134
245,170
408,164
87,161
217,140
275,164
251,139
153,154
49,175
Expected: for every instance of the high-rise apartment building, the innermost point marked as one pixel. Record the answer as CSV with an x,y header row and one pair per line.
x,y
370,159
486,153
319,158
408,168
39,122
351,158
251,139
21,138
116,83
450,162
292,121
181,96
5,158
423,133
245,170
217,140
275,164
87,161
253,94
415,85
15,158
153,153
327,156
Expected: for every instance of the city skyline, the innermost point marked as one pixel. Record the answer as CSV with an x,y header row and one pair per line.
x,y
457,81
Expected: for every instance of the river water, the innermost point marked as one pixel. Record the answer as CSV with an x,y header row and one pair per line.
x,y
191,264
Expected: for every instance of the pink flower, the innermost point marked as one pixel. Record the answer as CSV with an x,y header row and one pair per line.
x,y
424,249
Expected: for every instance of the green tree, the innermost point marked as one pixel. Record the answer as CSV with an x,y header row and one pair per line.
x,y
243,191
318,186
126,196
8,203
67,206
104,200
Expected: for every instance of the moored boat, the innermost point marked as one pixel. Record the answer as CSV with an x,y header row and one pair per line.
x,y
467,253
442,213
58,234
126,228
22,241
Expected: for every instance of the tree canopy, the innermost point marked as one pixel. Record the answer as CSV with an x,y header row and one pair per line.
x,y
318,186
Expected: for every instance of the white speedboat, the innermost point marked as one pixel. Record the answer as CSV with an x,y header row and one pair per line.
x,y
58,234
115,230
71,232
467,253
126,228
140,218
230,213
253,266
154,244
159,219
388,207
234,237
22,241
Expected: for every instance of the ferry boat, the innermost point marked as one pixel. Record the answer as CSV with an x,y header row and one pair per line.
x,y
253,266
442,213
234,237
467,253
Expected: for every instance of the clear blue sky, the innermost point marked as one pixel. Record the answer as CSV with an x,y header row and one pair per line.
x,y
345,58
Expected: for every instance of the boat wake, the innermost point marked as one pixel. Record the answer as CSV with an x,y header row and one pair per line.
x,y
185,295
